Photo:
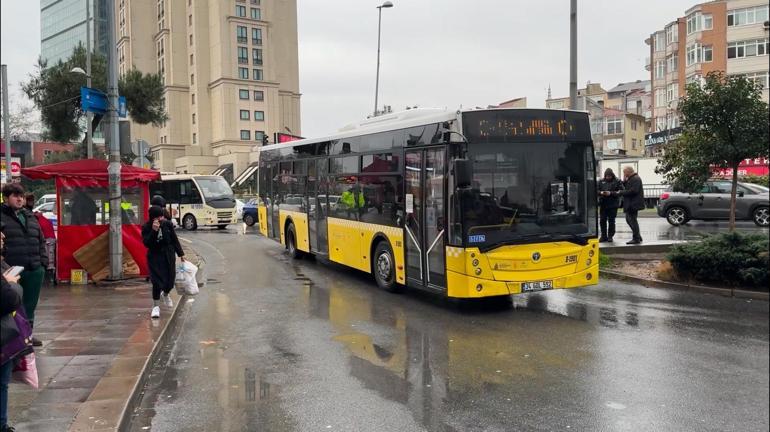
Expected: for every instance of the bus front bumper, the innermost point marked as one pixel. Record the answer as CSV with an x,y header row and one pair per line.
x,y
465,286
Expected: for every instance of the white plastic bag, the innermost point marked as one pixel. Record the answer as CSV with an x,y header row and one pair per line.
x,y
185,278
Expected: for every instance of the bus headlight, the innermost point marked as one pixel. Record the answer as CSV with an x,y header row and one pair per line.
x,y
588,262
478,271
591,253
475,263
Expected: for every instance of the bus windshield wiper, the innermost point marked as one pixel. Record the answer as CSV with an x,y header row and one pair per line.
x,y
220,198
572,238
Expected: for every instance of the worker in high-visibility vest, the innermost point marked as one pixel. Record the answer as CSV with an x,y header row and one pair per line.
x,y
352,201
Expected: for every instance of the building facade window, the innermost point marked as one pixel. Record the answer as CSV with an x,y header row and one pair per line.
x,y
242,34
193,118
191,59
256,36
240,11
243,55
633,125
660,69
746,16
672,33
614,125
245,135
708,53
192,79
191,40
759,78
259,135
243,73
693,54
189,20
660,124
633,143
660,97
698,22
259,95
192,99
195,138
243,94
256,13
255,2
244,114
256,56
672,62
748,48
660,41
672,92
256,74
259,115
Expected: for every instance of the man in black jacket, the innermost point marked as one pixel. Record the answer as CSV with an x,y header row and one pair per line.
x,y
608,204
633,201
24,246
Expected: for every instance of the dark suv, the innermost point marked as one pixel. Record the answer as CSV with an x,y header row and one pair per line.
x,y
712,202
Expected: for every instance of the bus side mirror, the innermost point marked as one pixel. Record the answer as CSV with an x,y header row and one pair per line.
x,y
463,169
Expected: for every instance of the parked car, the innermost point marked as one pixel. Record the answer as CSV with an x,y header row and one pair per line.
x,y
712,202
47,198
48,209
250,215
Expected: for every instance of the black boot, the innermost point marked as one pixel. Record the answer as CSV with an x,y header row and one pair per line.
x,y
35,341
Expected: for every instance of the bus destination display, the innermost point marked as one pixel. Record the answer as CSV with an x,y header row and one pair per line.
x,y
518,126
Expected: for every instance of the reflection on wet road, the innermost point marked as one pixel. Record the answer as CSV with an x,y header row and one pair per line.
x,y
273,344
657,229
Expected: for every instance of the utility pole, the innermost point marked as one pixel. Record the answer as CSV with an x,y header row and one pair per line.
x,y
573,55
386,5
6,125
89,127
113,170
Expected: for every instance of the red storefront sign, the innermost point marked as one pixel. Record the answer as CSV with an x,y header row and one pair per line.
x,y
756,167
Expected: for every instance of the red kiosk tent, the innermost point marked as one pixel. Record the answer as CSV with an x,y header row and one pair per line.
x,y
82,203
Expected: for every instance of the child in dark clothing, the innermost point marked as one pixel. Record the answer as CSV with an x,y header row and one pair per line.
x,y
163,246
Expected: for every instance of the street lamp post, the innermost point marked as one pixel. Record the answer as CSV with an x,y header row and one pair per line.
x,y
89,128
387,4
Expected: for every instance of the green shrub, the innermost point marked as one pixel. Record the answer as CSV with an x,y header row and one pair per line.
x,y
760,180
732,259
604,261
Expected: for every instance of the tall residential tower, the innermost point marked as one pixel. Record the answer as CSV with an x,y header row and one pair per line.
x,y
231,75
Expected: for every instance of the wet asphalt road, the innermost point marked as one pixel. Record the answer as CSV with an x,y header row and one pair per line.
x,y
273,344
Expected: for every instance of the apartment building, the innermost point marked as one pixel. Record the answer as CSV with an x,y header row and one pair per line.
x,y
721,35
617,116
231,75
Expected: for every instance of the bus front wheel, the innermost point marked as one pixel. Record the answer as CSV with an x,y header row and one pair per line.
x,y
291,242
189,223
385,267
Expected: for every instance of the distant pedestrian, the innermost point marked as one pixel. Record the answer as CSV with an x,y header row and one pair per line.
x,y
608,204
633,201
25,247
162,245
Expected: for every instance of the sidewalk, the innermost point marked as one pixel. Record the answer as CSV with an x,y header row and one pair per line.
x,y
96,343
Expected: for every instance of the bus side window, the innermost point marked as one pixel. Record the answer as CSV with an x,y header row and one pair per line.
x,y
188,193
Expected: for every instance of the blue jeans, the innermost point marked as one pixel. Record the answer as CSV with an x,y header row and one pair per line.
x,y
5,378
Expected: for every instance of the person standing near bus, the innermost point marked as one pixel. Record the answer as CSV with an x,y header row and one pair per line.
x,y
608,204
159,237
25,247
633,201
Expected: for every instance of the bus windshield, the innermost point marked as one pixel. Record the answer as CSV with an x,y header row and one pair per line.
x,y
214,188
527,193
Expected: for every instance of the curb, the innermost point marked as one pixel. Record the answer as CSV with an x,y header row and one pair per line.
x,y
171,323
636,249
725,292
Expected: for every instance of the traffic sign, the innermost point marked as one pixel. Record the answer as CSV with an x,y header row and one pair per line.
x,y
95,101
142,162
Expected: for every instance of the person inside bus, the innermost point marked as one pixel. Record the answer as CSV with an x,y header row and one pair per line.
x,y
352,202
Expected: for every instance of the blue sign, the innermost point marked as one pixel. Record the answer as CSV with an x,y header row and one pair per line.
x,y
96,101
478,238
122,107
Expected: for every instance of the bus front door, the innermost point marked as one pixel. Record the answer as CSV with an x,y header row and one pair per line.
x,y
425,208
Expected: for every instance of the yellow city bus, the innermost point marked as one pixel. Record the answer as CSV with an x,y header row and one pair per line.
x,y
466,204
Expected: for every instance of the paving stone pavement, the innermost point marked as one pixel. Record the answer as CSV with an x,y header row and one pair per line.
x,y
96,342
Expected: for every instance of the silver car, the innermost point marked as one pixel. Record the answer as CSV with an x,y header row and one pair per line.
x,y
712,202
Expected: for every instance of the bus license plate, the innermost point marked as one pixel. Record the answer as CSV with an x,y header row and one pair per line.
x,y
536,286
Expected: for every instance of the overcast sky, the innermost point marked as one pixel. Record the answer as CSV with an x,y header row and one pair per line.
x,y
444,53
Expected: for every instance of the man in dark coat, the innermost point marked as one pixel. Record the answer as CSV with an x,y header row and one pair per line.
x,y
162,244
24,246
608,204
633,201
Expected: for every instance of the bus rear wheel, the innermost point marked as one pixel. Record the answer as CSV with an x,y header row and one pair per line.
x,y
384,267
189,223
291,242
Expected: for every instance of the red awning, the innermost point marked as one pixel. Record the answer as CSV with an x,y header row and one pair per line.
x,y
95,169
